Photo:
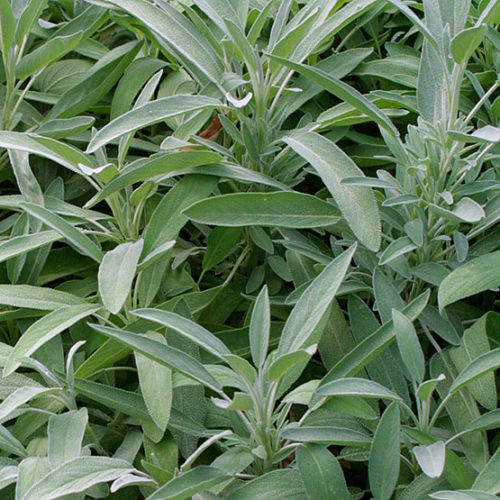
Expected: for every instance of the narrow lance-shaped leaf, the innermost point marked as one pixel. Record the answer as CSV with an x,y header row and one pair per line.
x,y
342,91
321,472
356,387
99,82
363,353
19,245
50,51
74,236
161,353
186,328
287,362
30,15
285,209
481,365
7,26
149,114
19,397
45,329
475,276
260,325
76,476
116,274
36,297
383,467
156,165
174,28
409,346
357,203
156,385
46,147
186,485
300,328
328,435
10,444
27,182
466,42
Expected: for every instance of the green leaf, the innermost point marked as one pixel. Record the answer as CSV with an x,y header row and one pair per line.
x,y
65,127
462,495
65,433
29,16
221,242
156,385
481,365
431,458
19,397
61,153
10,444
425,389
177,35
285,483
301,328
50,51
167,219
126,402
333,165
187,328
240,401
163,354
7,26
76,476
462,409
416,21
189,483
133,80
149,114
27,182
342,91
30,470
45,329
35,297
330,435
409,346
383,467
368,349
243,48
156,165
132,404
398,247
321,473
284,209
475,343
96,85
466,42
287,362
488,480
487,421
116,274
241,366
356,387
475,276
260,328
76,238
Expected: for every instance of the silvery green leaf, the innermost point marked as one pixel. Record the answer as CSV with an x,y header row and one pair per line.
x,y
65,433
332,166
116,274
431,458
75,476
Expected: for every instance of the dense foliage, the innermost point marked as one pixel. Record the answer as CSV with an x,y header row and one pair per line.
x,y
249,249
